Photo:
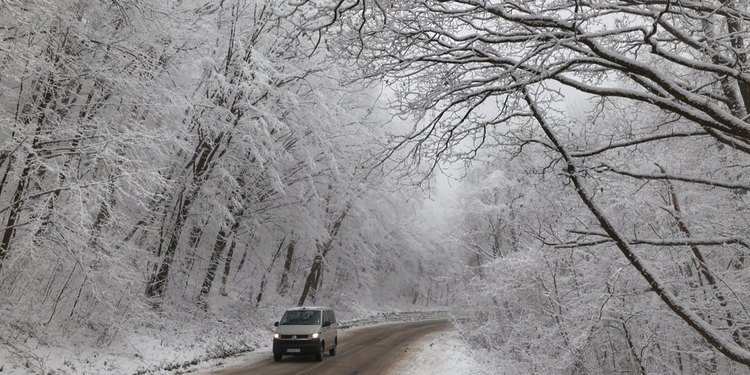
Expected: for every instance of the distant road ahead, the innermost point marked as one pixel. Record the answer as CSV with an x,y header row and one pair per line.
x,y
362,351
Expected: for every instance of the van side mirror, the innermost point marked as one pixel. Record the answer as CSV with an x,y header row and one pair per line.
x,y
326,324
276,324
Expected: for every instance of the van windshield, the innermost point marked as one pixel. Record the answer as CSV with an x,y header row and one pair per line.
x,y
300,317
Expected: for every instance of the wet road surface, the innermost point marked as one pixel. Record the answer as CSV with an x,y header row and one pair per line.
x,y
362,351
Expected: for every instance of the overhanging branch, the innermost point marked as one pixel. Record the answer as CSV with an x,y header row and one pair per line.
x,y
715,338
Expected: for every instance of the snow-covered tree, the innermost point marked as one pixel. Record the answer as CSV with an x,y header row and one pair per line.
x,y
480,73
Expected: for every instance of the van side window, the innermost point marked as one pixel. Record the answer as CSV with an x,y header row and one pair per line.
x,y
331,317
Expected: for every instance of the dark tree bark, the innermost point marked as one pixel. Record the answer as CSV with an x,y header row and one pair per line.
x,y
201,165
700,261
313,276
14,213
228,266
31,113
219,245
213,264
104,211
284,282
633,351
267,273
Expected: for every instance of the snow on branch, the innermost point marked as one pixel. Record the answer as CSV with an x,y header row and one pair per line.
x,y
653,138
716,241
671,177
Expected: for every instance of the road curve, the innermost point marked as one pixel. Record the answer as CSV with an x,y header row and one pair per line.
x,y
362,351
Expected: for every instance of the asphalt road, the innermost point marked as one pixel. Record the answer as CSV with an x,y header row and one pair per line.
x,y
362,351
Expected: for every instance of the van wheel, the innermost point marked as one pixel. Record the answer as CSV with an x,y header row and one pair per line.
x,y
332,352
277,356
319,355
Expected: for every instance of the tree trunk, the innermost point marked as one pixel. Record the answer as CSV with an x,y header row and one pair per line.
x,y
284,283
497,247
242,261
6,156
700,261
15,211
104,211
194,238
309,288
313,277
227,266
633,351
735,29
264,279
157,283
16,202
200,164
213,264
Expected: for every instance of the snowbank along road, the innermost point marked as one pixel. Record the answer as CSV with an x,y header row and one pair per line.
x,y
364,351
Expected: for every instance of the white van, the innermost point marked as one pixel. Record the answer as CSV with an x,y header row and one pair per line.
x,y
306,331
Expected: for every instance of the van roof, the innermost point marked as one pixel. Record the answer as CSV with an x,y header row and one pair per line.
x,y
310,308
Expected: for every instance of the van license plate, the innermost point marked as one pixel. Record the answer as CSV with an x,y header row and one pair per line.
x,y
292,350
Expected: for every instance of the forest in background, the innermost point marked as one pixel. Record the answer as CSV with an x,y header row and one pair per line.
x,y
177,166
208,162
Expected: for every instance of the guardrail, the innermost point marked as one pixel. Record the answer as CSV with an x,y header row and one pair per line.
x,y
389,317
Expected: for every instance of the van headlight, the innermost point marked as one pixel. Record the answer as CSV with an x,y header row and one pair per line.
x,y
276,336
315,335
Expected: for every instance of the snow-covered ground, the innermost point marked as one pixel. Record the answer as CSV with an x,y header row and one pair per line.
x,y
169,346
211,365
439,353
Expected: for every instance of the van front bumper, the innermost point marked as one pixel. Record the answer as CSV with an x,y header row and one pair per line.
x,y
296,347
